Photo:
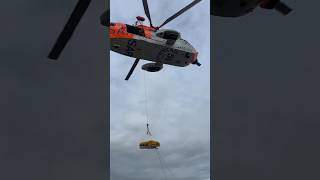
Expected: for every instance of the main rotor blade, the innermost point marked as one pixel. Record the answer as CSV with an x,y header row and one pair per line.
x,y
146,11
283,8
69,28
180,12
132,68
105,18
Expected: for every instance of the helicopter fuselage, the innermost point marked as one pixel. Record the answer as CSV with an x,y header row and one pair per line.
x,y
143,42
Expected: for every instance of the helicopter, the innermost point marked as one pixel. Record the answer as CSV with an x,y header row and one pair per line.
x,y
236,8
161,46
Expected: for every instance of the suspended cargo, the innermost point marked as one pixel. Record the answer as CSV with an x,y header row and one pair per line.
x,y
151,144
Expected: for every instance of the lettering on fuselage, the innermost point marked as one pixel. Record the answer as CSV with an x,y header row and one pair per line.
x,y
167,54
130,47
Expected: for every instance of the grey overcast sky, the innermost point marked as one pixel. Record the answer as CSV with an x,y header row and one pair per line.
x,y
53,114
178,101
266,92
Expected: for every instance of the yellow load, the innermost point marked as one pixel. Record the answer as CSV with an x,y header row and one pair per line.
x,y
151,144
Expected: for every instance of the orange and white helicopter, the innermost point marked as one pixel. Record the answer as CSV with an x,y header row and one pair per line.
x,y
236,8
161,46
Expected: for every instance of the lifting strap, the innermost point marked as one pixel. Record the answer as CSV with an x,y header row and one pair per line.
x,y
148,130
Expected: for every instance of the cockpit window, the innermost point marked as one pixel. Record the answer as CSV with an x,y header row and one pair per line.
x,y
135,30
170,35
160,34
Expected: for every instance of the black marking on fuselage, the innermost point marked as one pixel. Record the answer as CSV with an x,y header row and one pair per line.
x,y
130,47
166,54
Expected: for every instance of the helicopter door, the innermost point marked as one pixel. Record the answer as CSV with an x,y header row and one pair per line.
x,y
135,30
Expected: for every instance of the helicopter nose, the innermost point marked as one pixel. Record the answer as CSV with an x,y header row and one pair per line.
x,y
194,57
196,62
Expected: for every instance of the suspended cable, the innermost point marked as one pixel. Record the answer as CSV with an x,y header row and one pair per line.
x,y
148,128
162,166
164,162
146,99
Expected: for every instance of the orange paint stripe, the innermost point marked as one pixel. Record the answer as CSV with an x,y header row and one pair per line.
x,y
121,36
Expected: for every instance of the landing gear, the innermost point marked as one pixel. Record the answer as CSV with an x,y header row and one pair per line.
x,y
152,67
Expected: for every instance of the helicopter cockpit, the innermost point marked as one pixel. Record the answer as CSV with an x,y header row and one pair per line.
x,y
168,34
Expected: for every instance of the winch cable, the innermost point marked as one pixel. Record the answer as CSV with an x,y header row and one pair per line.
x,y
148,132
146,103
